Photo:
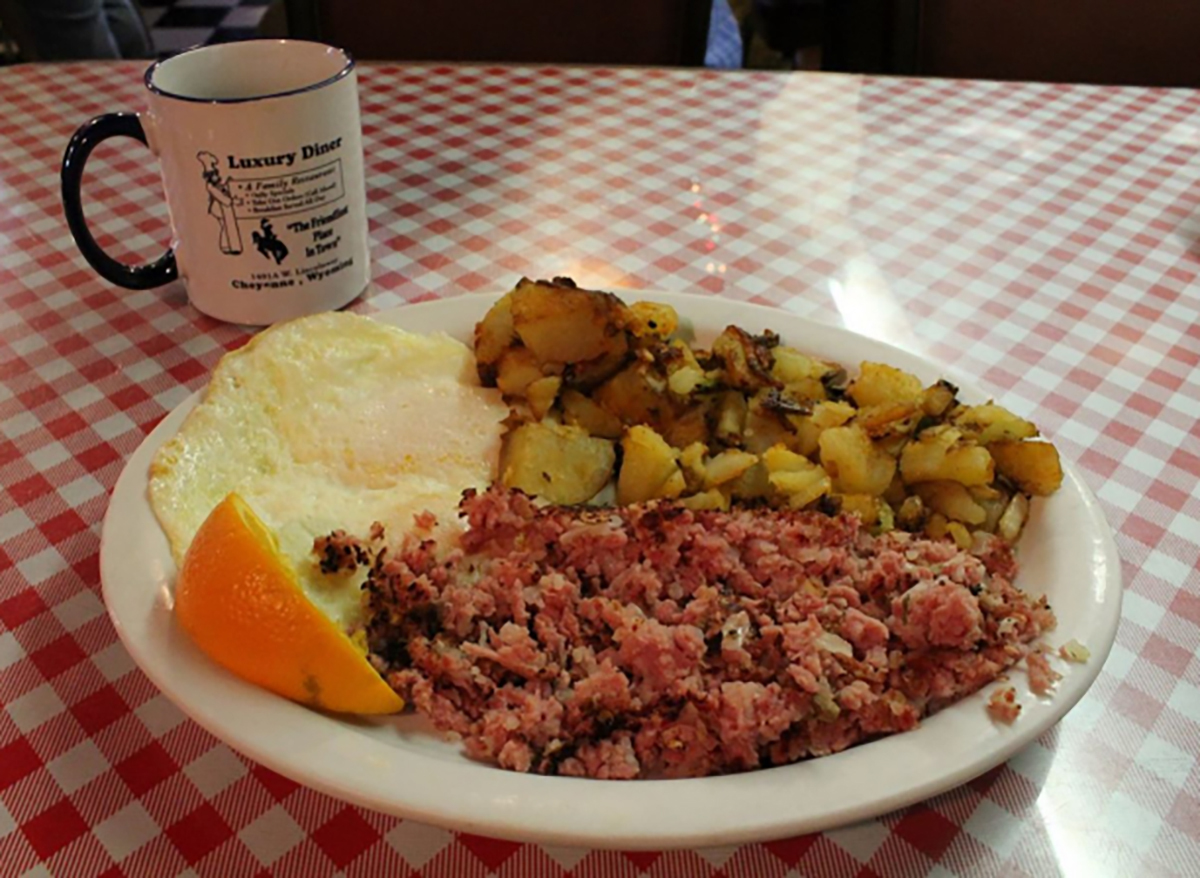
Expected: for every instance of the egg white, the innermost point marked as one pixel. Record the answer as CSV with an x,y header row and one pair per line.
x,y
326,422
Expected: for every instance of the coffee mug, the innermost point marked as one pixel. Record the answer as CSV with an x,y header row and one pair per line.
x,y
260,147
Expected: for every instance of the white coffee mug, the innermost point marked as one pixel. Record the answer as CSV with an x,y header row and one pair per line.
x,y
261,153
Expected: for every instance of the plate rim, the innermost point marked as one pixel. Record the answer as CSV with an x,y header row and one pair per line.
x,y
632,837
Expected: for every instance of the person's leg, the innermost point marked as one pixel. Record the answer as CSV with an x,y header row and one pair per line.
x,y
128,29
64,30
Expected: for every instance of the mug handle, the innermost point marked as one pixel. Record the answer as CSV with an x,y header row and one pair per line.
x,y
134,277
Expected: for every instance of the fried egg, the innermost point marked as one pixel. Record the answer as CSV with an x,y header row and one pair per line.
x,y
327,422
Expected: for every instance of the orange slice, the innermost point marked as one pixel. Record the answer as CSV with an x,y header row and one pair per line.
x,y
240,601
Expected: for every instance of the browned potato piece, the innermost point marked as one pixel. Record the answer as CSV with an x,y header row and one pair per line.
x,y
824,416
634,395
888,419
938,399
563,324
993,423
727,466
952,500
542,395
939,453
862,505
582,412
746,359
854,463
1010,524
731,417
912,514
752,484
795,477
879,383
1034,466
557,462
516,370
691,462
649,469
712,499
683,426
652,320
494,334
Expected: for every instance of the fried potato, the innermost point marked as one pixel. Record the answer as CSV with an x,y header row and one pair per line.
x,y
993,423
516,369
649,469
634,395
652,320
727,466
746,359
494,334
557,462
879,383
854,463
940,454
795,477
952,500
583,412
563,324
542,394
1034,466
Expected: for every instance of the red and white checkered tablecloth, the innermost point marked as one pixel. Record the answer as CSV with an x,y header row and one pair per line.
x,y
1043,238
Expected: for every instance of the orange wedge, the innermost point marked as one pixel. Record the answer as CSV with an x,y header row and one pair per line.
x,y
240,601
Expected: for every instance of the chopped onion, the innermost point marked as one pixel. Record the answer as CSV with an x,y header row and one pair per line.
x,y
830,642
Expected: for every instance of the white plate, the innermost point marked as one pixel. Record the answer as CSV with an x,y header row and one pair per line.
x,y
399,766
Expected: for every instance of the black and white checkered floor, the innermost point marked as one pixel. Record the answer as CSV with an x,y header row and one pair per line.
x,y
178,24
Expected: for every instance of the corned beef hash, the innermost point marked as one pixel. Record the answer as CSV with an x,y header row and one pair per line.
x,y
699,561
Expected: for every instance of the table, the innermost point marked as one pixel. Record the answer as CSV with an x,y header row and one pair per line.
x,y
1043,238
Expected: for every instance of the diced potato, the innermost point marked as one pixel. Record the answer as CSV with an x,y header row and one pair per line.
x,y
1013,520
731,417
765,429
634,396
960,535
862,505
727,466
825,415
650,319
711,499
795,476
889,418
993,423
802,488
854,463
542,394
494,334
939,398
563,324
935,526
912,514
746,359
793,367
683,426
516,370
691,462
879,383
581,411
1034,466
952,500
649,469
940,453
590,373
557,462
752,484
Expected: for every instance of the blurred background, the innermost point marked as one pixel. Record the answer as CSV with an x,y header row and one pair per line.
x,y
1148,42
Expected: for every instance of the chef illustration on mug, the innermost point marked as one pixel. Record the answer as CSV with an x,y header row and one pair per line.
x,y
220,204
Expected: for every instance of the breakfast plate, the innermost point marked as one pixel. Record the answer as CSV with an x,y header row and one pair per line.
x,y
399,765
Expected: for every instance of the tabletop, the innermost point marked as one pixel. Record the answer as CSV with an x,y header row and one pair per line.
x,y
1044,239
